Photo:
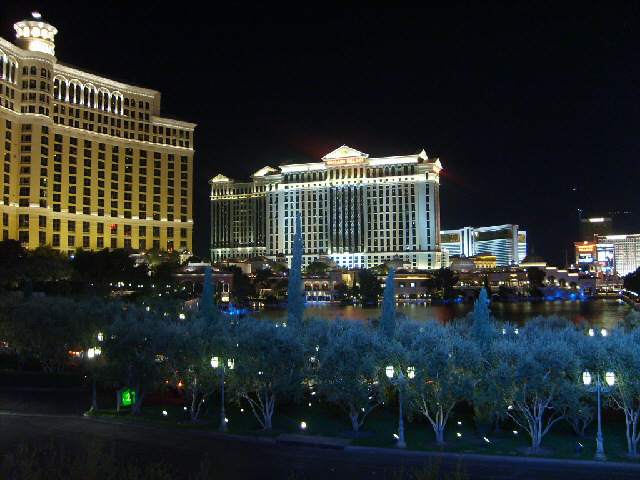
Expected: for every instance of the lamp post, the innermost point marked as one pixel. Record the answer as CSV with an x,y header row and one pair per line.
x,y
217,362
390,371
92,353
599,387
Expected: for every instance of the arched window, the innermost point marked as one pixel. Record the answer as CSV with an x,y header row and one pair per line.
x,y
72,93
78,93
56,88
86,96
25,70
43,72
113,103
63,91
100,98
33,71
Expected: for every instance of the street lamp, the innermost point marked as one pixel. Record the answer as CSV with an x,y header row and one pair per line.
x,y
217,362
411,372
92,353
599,387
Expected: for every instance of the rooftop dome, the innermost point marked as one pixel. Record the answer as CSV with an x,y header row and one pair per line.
x,y
533,259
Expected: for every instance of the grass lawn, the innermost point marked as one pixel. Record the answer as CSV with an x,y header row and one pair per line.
x,y
328,420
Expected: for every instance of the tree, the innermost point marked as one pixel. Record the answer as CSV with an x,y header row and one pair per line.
x,y
45,329
317,268
108,267
348,370
44,264
370,288
137,346
342,292
623,355
388,319
295,301
207,302
535,277
268,366
445,363
12,257
541,365
445,281
197,342
481,321
483,398
632,281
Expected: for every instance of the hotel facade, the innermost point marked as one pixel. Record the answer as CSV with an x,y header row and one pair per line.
x,y
357,210
506,242
88,162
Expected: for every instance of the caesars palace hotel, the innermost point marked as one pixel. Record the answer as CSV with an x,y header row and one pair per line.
x,y
88,162
359,211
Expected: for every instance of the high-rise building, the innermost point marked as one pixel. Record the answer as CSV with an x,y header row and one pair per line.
x,y
621,252
88,161
359,211
590,227
506,242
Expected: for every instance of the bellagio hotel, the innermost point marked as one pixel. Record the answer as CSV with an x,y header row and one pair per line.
x,y
88,162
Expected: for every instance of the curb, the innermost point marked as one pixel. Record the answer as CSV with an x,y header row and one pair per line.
x,y
377,450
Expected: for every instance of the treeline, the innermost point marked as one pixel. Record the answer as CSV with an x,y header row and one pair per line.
x,y
48,270
532,374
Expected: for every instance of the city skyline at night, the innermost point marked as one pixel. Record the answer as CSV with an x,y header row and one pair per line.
x,y
533,111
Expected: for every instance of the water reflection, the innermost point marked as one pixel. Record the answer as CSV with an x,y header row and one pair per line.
x,y
603,313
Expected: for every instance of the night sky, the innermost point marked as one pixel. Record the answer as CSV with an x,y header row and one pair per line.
x,y
533,109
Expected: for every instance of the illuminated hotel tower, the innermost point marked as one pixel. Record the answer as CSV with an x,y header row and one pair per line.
x,y
359,211
88,161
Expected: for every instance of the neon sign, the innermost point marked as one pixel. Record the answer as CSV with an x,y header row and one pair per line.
x,y
345,161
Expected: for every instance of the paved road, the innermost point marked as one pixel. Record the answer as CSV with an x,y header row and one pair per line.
x,y
34,419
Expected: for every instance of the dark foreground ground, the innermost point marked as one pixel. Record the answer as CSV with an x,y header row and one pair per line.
x,y
41,418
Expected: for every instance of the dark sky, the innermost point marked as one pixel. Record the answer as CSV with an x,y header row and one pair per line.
x,y
533,109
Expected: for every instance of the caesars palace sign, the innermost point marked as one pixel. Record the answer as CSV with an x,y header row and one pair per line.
x,y
345,161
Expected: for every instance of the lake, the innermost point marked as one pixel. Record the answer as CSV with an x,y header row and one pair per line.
x,y
604,313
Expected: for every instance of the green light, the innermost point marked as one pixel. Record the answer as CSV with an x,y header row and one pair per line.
x,y
127,397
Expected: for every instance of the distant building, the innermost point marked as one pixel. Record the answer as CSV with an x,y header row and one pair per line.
x,y
193,273
357,210
88,161
622,250
590,227
506,242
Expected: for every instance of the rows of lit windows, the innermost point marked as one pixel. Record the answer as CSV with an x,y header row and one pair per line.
x,y
73,227
98,109
8,67
345,173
